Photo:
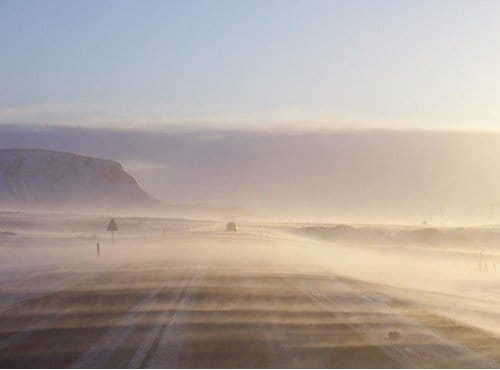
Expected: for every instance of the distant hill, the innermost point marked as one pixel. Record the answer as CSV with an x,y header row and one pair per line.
x,y
35,178
38,179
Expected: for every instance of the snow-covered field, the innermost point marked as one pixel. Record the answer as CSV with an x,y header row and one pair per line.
x,y
179,293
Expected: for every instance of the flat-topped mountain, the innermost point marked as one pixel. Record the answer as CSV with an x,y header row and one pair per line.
x,y
36,178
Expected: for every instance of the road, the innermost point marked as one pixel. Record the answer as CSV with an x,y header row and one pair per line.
x,y
212,299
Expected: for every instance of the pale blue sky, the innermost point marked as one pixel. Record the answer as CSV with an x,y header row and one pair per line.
x,y
251,64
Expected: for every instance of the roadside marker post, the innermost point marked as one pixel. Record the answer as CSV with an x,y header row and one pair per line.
x,y
112,227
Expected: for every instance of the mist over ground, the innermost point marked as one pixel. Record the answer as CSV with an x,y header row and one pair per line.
x,y
333,176
179,293
320,272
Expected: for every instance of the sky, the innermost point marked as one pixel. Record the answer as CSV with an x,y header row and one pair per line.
x,y
251,64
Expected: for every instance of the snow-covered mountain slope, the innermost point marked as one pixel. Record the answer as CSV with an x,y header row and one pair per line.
x,y
35,178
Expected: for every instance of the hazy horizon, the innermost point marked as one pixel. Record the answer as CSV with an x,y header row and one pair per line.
x,y
370,176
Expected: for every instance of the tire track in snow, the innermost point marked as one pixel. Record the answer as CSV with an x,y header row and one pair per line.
x,y
168,348
114,337
153,335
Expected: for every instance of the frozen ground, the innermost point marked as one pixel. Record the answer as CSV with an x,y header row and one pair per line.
x,y
177,293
